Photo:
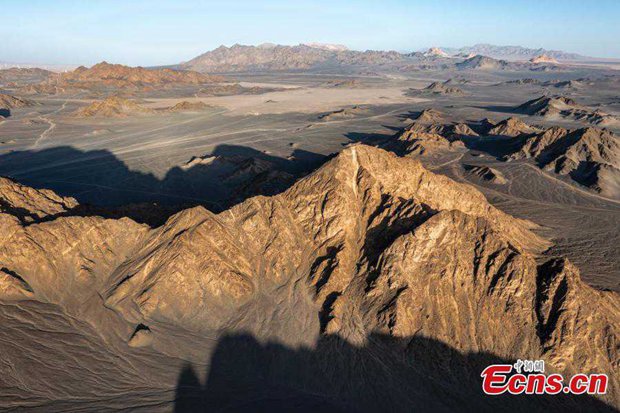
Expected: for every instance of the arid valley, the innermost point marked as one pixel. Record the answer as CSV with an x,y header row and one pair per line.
x,y
309,228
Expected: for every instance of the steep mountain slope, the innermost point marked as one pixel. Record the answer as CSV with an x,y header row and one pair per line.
x,y
371,248
589,156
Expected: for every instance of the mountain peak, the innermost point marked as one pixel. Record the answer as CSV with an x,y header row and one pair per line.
x,y
543,58
435,52
327,46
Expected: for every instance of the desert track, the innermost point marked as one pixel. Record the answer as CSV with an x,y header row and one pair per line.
x,y
50,122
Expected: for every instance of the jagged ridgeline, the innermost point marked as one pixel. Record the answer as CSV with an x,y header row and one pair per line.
x,y
589,156
371,274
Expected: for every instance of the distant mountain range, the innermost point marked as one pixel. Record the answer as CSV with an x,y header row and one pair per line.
x,y
313,56
269,57
273,57
53,68
512,52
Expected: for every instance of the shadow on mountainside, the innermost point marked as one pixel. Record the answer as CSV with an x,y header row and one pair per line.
x,y
105,185
387,375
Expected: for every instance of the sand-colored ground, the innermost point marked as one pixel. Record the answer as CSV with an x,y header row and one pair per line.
x,y
298,99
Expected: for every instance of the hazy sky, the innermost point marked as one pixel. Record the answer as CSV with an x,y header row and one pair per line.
x,y
153,32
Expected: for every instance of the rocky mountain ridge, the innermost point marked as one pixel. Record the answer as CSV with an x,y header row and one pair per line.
x,y
243,58
352,250
115,77
564,107
513,52
589,156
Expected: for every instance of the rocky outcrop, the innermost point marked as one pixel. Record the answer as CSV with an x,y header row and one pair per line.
x,y
543,59
346,83
430,116
14,102
28,204
344,113
511,127
537,144
421,139
186,106
479,62
439,88
112,107
566,108
430,133
589,156
486,173
546,106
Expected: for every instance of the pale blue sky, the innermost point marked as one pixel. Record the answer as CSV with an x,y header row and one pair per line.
x,y
153,32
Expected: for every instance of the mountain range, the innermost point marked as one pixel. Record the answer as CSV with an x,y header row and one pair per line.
x,y
512,52
278,57
117,78
272,57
